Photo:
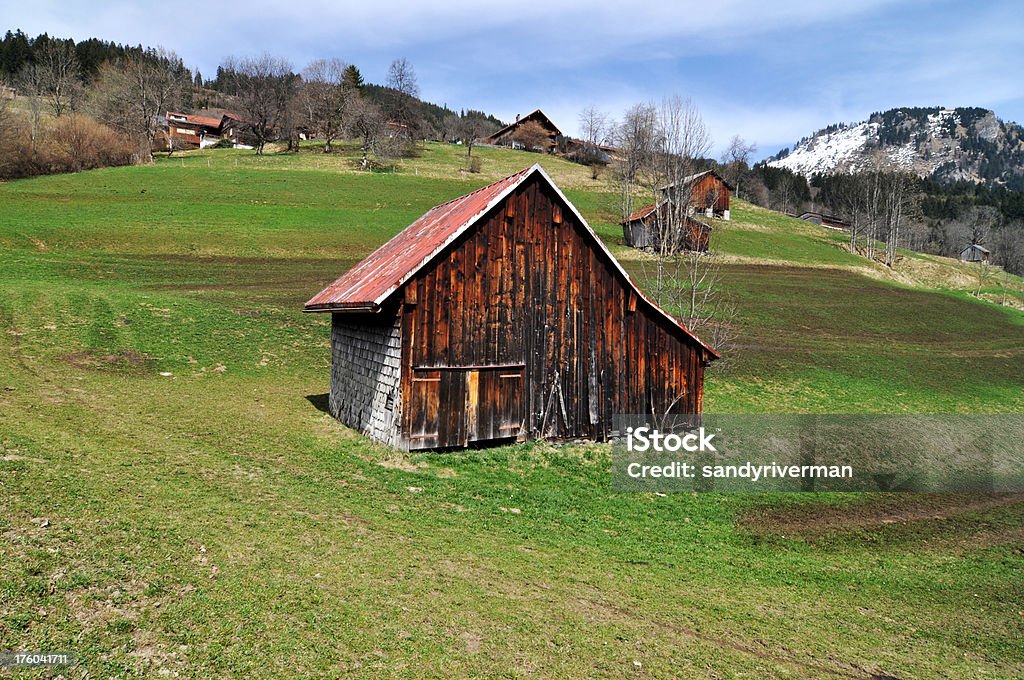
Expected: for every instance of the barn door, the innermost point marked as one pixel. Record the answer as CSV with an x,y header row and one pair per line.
x,y
453,406
425,409
494,403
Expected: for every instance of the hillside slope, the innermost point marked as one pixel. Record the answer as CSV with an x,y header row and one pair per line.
x,y
174,500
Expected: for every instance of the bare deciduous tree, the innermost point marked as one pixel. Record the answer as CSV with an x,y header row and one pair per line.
x,y
736,160
471,129
596,127
636,140
401,105
878,202
662,148
977,223
402,77
366,123
59,76
681,142
29,83
1008,247
132,94
325,98
264,87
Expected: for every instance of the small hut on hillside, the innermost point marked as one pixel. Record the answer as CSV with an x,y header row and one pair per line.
x,y
501,316
975,253
643,229
825,220
708,193
505,136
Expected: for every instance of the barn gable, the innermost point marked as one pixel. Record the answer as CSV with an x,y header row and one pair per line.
x,y
368,285
512,321
504,135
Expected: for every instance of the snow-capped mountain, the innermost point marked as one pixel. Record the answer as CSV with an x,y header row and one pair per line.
x,y
948,144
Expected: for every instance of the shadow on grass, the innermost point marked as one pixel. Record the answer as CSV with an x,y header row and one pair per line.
x,y
320,401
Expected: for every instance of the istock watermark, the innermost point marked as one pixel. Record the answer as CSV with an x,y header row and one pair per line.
x,y
751,453
646,438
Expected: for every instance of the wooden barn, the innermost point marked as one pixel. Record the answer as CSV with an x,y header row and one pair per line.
x,y
501,316
709,193
825,220
641,230
503,137
975,253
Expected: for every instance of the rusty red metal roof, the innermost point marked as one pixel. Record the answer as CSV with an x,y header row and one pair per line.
x,y
370,283
641,213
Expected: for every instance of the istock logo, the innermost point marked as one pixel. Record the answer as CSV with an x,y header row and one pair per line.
x,y
647,439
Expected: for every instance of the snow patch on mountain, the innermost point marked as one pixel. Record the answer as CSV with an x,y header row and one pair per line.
x,y
825,152
962,144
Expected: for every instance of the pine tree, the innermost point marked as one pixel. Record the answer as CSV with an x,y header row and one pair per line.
x,y
352,78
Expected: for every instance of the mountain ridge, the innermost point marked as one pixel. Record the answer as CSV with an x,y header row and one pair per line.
x,y
948,145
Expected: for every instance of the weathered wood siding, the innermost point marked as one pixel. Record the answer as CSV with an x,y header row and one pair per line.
x,y
365,373
523,328
711,192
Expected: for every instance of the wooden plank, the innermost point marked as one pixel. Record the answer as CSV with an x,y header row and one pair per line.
x,y
457,307
472,404
441,314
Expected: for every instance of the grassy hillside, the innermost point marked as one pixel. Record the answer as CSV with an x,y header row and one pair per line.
x,y
173,499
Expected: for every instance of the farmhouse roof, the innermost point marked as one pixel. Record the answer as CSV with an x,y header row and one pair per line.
x,y
978,247
642,212
690,179
368,285
536,115
205,121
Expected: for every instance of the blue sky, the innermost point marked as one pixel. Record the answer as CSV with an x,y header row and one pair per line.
x,y
771,72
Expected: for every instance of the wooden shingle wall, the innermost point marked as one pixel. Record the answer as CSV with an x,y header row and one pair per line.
x,y
365,373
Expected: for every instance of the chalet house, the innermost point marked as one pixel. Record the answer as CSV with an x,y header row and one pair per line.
x,y
234,128
196,131
191,131
642,230
825,220
708,193
975,253
503,137
500,316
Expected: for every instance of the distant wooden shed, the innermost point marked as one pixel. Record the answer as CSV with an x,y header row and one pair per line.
x,y
641,229
501,316
708,193
975,253
825,220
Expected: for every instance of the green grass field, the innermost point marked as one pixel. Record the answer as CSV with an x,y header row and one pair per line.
x,y
214,522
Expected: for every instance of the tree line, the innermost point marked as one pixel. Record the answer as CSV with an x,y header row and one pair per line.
x,y
111,99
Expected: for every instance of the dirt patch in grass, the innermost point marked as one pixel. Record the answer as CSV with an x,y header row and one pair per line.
x,y
122,360
816,520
